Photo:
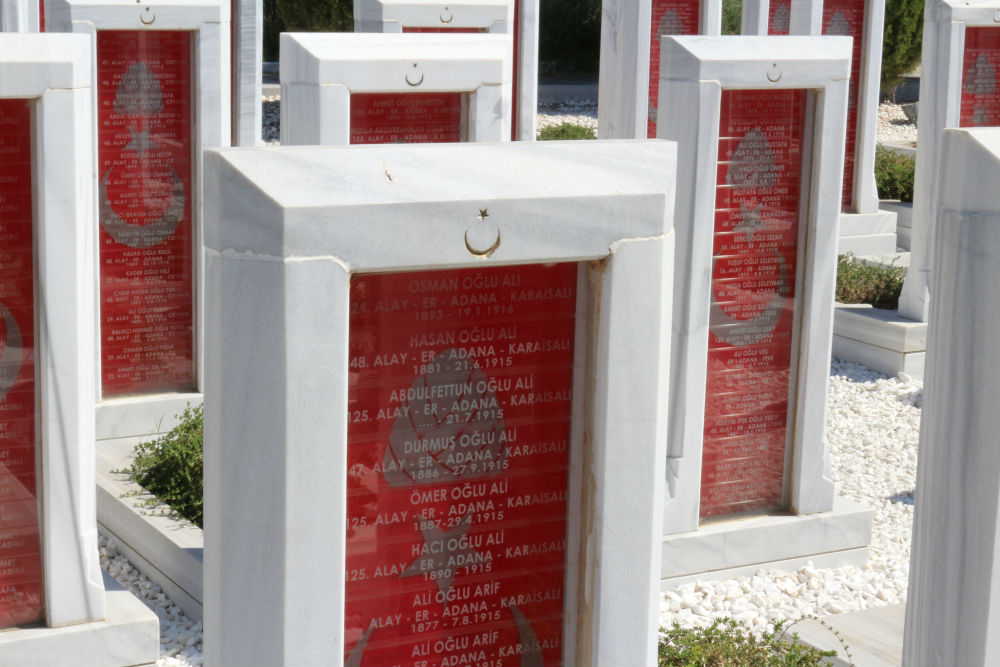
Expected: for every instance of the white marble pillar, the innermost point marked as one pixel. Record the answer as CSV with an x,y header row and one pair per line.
x,y
953,605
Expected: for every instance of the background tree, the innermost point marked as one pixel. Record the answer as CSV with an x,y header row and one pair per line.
x,y
901,40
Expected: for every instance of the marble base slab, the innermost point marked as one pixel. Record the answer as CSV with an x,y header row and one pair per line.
x,y
739,547
168,551
142,415
873,636
904,219
867,233
879,339
129,635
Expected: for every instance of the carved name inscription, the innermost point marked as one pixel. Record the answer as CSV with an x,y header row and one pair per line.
x,y
847,17
21,600
669,17
459,403
980,63
753,295
407,118
145,202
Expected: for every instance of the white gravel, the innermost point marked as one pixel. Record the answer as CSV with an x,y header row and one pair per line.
x,y
872,428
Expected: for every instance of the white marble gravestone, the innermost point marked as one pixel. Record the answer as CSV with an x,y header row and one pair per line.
x,y
247,61
518,18
953,604
630,50
19,15
53,605
759,123
469,259
340,88
864,229
163,95
958,88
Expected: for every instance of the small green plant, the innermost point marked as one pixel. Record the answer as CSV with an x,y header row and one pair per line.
x,y
170,466
858,282
732,17
894,174
565,131
726,643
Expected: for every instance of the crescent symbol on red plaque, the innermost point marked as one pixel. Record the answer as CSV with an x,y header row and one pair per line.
x,y
531,648
358,652
13,352
142,236
746,332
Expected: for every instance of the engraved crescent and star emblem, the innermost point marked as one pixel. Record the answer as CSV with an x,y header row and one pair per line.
x,y
12,355
752,166
139,93
478,252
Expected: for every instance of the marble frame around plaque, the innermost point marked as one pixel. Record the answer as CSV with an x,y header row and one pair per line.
x,y
320,72
274,234
494,16
941,87
19,15
247,19
54,72
208,20
695,72
626,40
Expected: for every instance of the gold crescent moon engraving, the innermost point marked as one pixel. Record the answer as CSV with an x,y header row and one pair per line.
x,y
418,71
449,14
13,353
746,332
774,74
482,253
142,236
142,17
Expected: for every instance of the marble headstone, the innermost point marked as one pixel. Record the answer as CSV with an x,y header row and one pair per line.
x,y
469,344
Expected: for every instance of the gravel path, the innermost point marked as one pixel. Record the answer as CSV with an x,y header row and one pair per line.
x,y
872,427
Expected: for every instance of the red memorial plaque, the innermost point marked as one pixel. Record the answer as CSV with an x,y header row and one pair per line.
x,y
407,118
146,200
981,62
847,17
459,408
669,17
20,552
779,17
753,293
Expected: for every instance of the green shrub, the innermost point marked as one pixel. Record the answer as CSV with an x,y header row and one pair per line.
x,y
726,643
732,17
858,282
904,25
170,466
569,34
317,15
565,131
894,174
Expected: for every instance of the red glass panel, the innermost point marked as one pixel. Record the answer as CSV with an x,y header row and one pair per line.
x,y
146,202
20,552
847,17
406,118
459,407
778,17
753,295
981,61
669,17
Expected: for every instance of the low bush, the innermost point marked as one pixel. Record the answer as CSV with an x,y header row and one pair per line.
x,y
565,131
170,466
894,174
726,643
858,282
